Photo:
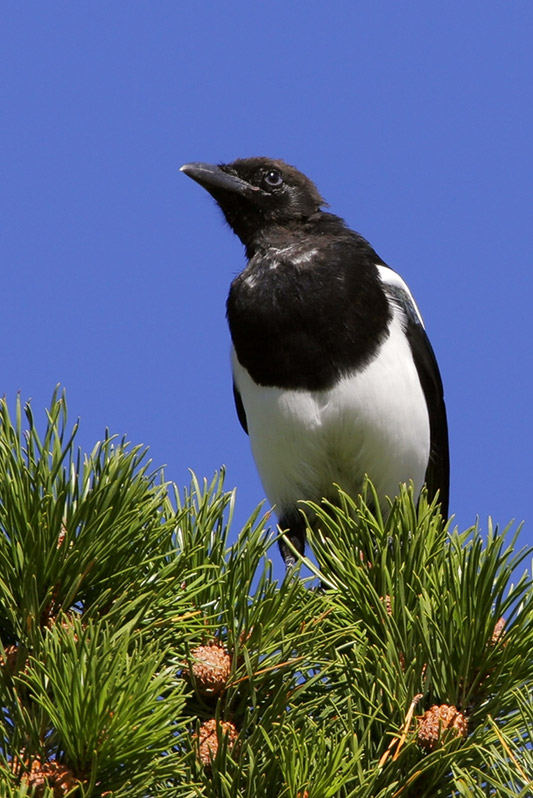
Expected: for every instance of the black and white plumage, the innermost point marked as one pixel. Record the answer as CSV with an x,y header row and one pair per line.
x,y
334,375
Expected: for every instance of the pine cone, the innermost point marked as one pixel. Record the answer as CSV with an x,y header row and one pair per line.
x,y
388,603
208,738
43,774
437,722
498,631
211,668
62,535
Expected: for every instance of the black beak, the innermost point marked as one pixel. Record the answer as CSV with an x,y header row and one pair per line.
x,y
214,179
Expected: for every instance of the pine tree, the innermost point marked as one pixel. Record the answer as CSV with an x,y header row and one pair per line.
x,y
143,654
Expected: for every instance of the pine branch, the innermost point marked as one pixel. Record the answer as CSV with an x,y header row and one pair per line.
x,y
146,650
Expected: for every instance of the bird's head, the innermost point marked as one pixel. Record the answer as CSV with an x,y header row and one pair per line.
x,y
257,193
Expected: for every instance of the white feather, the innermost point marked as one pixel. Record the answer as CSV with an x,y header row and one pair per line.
x,y
373,422
391,278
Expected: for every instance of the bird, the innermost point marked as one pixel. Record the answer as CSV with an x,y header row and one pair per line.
x,y
334,377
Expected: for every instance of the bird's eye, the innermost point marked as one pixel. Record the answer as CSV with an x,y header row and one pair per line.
x,y
273,179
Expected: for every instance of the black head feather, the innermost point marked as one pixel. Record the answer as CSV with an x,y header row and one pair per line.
x,y
257,193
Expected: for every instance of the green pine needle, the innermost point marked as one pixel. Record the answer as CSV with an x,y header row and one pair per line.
x,y
113,583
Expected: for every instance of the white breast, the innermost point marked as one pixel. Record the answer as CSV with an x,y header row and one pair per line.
x,y
373,422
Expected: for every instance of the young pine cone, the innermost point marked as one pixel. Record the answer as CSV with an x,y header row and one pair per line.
x,y
51,775
208,738
439,721
498,632
211,668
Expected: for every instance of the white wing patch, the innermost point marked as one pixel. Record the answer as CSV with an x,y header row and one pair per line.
x,y
398,291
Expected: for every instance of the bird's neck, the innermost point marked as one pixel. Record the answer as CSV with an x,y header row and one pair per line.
x,y
281,233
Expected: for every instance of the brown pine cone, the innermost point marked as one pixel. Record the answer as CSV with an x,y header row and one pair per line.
x,y
43,774
439,721
211,668
208,738
388,603
498,631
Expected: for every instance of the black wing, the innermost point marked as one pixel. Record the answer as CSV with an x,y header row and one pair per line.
x,y
438,470
239,407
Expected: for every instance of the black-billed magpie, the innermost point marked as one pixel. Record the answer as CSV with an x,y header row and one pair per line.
x,y
334,376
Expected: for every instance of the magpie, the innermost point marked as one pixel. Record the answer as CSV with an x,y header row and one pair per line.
x,y
334,376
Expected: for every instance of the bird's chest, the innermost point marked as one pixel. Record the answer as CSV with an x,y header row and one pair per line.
x,y
374,421
299,324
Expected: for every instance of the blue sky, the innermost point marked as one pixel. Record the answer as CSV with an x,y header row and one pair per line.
x,y
415,121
